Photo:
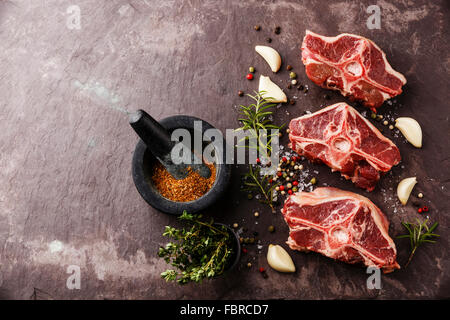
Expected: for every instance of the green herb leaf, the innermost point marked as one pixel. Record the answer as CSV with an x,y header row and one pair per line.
x,y
418,234
201,251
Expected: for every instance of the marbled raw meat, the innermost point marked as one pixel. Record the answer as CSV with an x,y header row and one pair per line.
x,y
341,225
352,64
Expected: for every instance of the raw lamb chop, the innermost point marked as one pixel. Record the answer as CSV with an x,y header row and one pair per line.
x,y
345,141
353,65
340,225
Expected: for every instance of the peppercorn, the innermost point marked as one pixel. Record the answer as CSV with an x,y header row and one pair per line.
x,y
249,265
385,122
327,97
288,130
235,225
264,274
373,115
300,87
256,214
289,185
240,93
288,67
277,30
244,250
257,28
294,82
249,76
419,210
251,69
261,269
420,195
295,189
391,127
295,183
291,102
246,240
284,159
281,187
290,191
255,233
241,240
292,75
271,229
251,240
425,209
313,181
269,40
289,86
249,196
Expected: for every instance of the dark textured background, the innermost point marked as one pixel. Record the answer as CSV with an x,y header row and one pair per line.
x,y
66,192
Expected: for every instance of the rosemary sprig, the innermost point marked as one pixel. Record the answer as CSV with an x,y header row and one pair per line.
x,y
255,182
256,117
418,234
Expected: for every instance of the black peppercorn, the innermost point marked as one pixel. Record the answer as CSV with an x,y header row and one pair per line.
x,y
277,30
269,40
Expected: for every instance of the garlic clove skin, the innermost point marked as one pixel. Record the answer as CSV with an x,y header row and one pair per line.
x,y
271,91
404,189
411,130
279,259
271,56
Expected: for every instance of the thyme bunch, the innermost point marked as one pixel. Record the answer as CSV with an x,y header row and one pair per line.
x,y
203,250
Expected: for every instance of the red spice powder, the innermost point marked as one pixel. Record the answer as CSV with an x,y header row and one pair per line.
x,y
188,189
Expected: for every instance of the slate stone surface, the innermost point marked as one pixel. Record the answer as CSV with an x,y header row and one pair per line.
x,y
66,193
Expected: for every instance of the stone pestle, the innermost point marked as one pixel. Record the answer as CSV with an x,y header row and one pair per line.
x,y
158,140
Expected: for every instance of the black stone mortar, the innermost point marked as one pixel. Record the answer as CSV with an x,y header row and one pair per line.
x,y
143,161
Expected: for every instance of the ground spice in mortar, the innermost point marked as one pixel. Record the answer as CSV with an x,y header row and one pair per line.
x,y
188,189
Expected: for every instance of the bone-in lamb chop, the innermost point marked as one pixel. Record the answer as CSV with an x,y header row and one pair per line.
x,y
340,225
352,64
345,141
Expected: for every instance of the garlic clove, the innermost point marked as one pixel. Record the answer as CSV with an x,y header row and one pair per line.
x,y
404,189
411,130
270,90
279,259
271,56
